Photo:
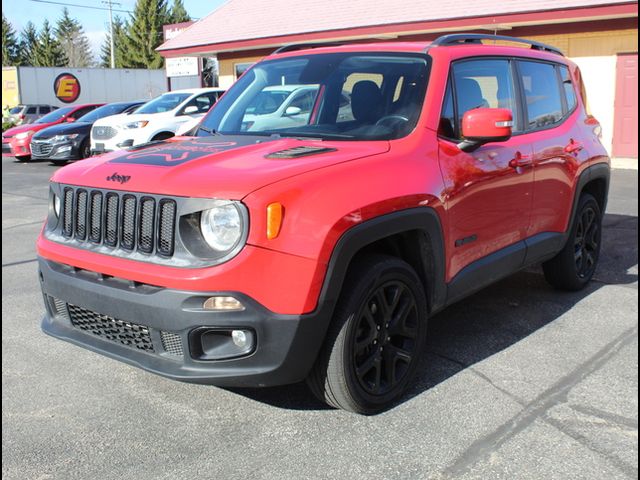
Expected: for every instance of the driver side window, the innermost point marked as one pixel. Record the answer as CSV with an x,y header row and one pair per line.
x,y
477,84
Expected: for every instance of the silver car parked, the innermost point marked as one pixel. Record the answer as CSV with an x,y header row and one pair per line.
x,y
22,114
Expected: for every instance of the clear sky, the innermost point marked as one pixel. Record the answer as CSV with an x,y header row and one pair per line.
x,y
95,22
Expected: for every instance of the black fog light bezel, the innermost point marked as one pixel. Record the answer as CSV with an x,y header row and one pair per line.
x,y
198,352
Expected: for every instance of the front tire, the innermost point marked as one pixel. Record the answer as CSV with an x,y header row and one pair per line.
x,y
574,266
376,337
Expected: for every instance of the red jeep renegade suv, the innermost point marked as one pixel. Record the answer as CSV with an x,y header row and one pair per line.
x,y
314,243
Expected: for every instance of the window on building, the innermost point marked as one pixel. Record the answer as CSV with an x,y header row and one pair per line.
x,y
240,68
542,92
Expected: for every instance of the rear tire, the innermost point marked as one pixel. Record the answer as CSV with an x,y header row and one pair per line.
x,y
376,337
574,266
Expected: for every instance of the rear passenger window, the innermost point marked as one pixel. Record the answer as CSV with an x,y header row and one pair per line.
x,y
31,110
569,90
542,92
45,109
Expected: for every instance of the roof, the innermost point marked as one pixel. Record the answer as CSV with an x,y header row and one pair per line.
x,y
251,20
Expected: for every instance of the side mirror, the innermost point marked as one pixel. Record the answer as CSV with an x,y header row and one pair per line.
x,y
70,119
190,110
291,111
485,125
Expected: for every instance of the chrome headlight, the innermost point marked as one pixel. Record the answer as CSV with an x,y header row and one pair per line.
x,y
222,226
138,124
64,138
56,205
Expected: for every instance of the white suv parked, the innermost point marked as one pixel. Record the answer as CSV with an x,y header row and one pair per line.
x,y
157,119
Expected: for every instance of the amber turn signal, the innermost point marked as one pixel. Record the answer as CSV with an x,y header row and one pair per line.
x,y
275,213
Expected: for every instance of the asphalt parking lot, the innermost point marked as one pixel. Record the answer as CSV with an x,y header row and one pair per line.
x,y
519,382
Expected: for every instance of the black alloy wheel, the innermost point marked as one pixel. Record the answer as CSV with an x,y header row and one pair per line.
x,y
375,338
385,338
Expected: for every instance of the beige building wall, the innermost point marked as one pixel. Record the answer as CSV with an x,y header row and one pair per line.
x,y
226,72
596,55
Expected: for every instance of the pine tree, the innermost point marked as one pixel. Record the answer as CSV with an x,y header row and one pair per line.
x,y
119,33
178,12
28,43
48,52
74,43
144,34
10,52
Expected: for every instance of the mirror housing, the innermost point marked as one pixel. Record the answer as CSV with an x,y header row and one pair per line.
x,y
485,125
190,110
291,111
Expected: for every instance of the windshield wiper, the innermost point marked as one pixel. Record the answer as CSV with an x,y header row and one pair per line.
x,y
208,130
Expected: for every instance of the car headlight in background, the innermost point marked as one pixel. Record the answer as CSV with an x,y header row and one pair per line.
x,y
64,138
222,226
26,134
138,124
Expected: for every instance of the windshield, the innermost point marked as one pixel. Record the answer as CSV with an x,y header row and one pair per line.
x,y
104,111
16,110
344,96
55,115
267,102
164,103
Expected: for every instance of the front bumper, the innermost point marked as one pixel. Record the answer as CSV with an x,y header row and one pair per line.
x,y
21,147
69,150
123,139
286,345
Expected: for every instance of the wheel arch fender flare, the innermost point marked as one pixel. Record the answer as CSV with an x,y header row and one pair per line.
x,y
425,220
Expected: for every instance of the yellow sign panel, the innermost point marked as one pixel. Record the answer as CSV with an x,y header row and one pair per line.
x,y
10,91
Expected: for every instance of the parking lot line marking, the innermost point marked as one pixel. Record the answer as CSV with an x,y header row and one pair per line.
x,y
12,264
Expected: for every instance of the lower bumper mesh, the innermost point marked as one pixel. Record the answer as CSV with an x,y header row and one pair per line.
x,y
109,328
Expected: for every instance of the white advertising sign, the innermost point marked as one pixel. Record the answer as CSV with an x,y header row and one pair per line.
x,y
182,66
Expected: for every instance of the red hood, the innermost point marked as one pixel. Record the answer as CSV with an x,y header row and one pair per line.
x,y
222,166
25,128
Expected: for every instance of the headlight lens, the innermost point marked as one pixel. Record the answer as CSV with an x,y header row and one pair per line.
x,y
138,124
64,138
221,226
26,134
56,205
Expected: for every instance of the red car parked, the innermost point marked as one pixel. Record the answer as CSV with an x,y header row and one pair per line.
x,y
317,247
16,141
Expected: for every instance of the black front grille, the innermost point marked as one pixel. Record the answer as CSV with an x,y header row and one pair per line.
x,y
109,328
103,133
119,220
41,149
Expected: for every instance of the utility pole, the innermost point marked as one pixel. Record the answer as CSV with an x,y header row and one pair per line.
x,y
110,3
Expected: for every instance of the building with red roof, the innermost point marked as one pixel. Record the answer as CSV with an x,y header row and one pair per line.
x,y
601,36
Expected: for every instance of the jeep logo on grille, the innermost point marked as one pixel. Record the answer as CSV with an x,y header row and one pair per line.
x,y
118,178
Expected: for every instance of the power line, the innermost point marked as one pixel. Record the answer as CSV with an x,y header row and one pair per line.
x,y
80,6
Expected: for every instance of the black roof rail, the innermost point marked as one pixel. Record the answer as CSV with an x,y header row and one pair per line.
x,y
301,46
476,38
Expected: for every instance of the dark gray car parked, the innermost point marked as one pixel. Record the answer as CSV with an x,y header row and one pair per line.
x,y
70,141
